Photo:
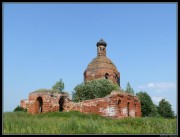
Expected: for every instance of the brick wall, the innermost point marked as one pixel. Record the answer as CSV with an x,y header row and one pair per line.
x,y
116,105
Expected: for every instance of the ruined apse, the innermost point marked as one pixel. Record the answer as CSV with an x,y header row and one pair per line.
x,y
102,66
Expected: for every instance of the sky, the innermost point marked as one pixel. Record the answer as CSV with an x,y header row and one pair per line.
x,y
46,42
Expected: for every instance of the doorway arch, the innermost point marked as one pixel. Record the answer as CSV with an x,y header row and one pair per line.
x,y
61,103
39,105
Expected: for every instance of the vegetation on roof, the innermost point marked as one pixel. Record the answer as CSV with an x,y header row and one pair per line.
x,y
48,90
45,90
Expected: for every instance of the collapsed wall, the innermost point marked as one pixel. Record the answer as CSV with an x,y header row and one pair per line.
x,y
117,104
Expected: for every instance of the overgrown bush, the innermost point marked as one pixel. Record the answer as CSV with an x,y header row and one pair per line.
x,y
93,89
18,108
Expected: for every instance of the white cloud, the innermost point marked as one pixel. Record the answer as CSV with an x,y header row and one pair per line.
x,y
161,86
151,85
156,99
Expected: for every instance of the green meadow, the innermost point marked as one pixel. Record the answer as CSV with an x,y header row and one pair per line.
x,y
77,123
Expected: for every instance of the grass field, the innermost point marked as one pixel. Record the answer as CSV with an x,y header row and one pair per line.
x,y
78,123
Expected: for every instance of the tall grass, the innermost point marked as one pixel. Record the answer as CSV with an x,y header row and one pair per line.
x,y
78,123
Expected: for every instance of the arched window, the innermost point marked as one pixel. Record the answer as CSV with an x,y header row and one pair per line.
x,y
119,106
135,109
106,76
85,76
119,102
128,109
118,80
101,49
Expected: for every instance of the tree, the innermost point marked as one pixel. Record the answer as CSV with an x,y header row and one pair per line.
x,y
164,109
18,108
59,85
129,89
154,111
93,89
147,106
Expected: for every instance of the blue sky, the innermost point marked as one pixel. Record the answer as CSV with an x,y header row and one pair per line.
x,y
43,42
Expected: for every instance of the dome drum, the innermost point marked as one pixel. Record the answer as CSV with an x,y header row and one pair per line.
x,y
102,73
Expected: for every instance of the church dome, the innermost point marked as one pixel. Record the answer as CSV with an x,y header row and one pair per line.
x,y
101,42
101,62
101,66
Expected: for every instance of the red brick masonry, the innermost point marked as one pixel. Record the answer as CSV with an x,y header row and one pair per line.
x,y
116,105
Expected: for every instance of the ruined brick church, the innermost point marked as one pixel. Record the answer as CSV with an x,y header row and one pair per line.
x,y
116,105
